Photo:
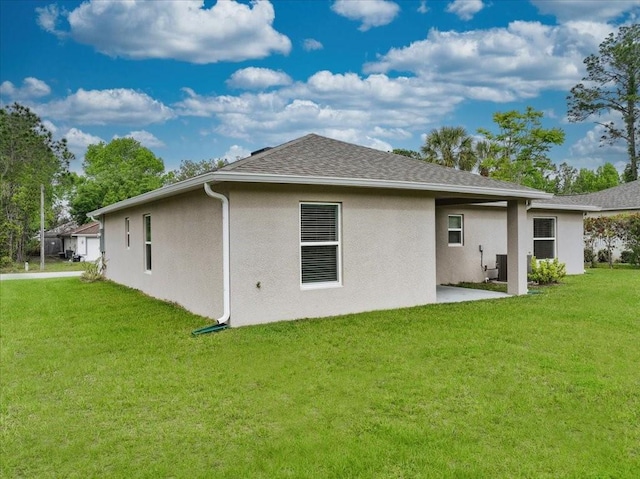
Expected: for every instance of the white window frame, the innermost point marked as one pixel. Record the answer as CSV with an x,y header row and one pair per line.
x,y
127,231
554,237
148,257
338,244
461,230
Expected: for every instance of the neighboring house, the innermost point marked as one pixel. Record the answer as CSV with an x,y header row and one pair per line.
x,y
55,238
318,227
83,241
624,198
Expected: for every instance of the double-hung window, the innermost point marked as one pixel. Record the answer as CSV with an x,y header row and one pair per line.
x,y
320,244
147,243
544,238
455,230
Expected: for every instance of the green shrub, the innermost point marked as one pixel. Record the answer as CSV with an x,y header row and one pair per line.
x,y
6,262
603,256
92,271
589,255
547,271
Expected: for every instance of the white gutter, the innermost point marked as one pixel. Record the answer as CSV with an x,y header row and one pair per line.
x,y
226,273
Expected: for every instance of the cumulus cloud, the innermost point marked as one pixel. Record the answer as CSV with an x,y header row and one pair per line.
x,y
31,88
101,107
253,78
571,10
310,44
465,9
183,30
236,152
145,138
80,140
423,7
499,64
372,13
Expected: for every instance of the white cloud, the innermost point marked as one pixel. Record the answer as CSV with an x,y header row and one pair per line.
x,y
236,152
80,140
423,7
184,30
311,44
499,64
101,107
253,78
572,10
145,138
372,13
465,9
31,88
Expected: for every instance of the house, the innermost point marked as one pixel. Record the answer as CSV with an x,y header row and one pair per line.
x,y
55,238
621,199
319,227
83,242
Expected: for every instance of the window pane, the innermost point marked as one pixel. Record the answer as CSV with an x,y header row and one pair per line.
x,y
544,249
544,228
148,256
318,223
455,221
147,224
455,237
319,264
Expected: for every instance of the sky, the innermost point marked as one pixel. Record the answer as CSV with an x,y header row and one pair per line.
x,y
194,81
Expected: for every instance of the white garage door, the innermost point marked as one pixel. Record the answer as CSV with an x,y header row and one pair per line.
x,y
93,249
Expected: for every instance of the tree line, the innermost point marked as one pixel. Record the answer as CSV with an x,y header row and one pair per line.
x,y
516,150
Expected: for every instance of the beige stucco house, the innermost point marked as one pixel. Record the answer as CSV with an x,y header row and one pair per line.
x,y
318,227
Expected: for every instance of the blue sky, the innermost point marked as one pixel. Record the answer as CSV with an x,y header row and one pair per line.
x,y
193,80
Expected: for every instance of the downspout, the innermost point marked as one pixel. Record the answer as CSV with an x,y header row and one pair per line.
x,y
102,265
221,323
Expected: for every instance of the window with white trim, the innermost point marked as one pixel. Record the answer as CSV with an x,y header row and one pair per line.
x,y
147,243
320,244
127,232
455,230
544,238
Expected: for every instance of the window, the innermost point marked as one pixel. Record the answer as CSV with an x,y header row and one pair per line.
x,y
127,233
147,243
320,243
544,238
455,230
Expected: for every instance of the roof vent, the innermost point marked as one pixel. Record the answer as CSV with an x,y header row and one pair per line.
x,y
266,148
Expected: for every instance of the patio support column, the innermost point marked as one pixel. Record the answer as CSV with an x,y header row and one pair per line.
x,y
516,247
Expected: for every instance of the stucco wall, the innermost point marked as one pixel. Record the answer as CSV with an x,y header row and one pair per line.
x,y
186,251
388,250
487,226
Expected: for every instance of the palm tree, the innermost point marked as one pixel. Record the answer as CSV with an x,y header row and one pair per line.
x,y
450,146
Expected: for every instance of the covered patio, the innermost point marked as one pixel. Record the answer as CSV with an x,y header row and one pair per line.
x,y
454,294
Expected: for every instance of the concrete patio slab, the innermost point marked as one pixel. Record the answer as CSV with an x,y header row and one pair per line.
x,y
453,294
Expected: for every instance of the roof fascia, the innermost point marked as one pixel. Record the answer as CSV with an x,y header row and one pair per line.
x,y
232,176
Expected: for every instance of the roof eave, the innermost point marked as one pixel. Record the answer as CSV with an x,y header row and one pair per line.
x,y
231,176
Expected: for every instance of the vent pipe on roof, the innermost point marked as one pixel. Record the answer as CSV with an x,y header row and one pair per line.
x,y
225,258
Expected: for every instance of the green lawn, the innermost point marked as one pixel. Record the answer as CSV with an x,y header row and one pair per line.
x,y
51,265
101,381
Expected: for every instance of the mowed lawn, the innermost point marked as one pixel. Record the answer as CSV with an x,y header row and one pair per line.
x,y
100,381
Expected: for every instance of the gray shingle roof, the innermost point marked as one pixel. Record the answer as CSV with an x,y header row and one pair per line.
x,y
318,156
622,197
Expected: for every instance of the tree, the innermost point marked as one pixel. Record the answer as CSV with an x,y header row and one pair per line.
x,y
114,172
29,157
518,151
571,181
612,85
410,153
189,169
450,146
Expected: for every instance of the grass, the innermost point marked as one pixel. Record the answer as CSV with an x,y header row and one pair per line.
x,y
100,381
51,265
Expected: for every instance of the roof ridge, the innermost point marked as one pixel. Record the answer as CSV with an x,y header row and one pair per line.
x,y
265,152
